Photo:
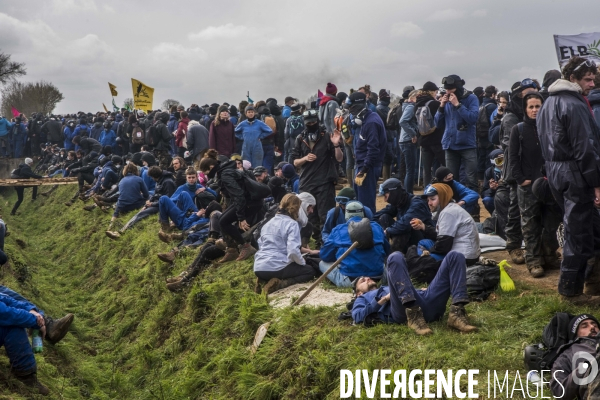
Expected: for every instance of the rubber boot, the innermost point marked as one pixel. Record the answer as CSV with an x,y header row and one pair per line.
x,y
416,321
457,319
56,329
385,172
32,382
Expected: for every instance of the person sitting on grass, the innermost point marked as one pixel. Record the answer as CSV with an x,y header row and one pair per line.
x,y
278,261
165,186
360,262
462,195
402,303
184,215
178,168
336,216
17,313
133,193
201,195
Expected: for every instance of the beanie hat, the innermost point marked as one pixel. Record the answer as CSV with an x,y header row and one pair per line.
x,y
246,164
331,88
348,192
430,86
149,158
28,161
222,109
576,321
233,110
249,107
137,159
280,165
212,110
288,171
444,193
116,160
384,94
441,173
341,97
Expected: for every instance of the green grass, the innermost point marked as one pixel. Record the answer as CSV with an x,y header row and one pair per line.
x,y
133,339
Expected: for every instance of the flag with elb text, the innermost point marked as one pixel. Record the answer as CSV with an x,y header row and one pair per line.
x,y
586,45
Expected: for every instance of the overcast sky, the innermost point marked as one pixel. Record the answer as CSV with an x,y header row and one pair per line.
x,y
204,52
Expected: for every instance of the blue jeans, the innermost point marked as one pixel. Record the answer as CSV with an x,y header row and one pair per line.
x,y
268,157
450,280
176,211
130,207
18,145
18,350
367,193
409,151
335,276
140,216
467,158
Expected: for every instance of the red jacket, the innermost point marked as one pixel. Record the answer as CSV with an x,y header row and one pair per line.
x,y
181,131
222,138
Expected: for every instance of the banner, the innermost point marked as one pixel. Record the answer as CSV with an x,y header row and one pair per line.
x,y
142,95
105,109
15,112
586,45
113,89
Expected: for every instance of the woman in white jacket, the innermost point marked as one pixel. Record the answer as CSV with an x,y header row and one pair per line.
x,y
279,261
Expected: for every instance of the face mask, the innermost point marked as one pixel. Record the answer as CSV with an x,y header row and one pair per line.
x,y
358,117
302,217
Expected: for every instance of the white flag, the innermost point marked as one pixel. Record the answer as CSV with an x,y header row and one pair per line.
x,y
585,45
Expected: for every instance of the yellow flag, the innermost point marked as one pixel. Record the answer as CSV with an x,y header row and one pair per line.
x,y
142,95
113,89
105,109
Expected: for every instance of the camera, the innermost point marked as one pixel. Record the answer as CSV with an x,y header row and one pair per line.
x,y
442,91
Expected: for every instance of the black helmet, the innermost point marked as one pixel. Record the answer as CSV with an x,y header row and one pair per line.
x,y
533,355
397,194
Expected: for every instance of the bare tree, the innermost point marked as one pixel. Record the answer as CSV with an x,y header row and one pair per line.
x,y
30,97
128,102
166,105
10,69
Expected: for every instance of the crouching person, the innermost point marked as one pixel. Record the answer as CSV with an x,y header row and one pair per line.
x,y
402,303
278,260
360,262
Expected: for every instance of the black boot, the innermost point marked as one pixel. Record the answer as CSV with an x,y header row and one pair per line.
x,y
32,382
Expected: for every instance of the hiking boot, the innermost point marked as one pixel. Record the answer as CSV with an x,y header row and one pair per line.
x,y
416,321
56,329
231,254
165,227
86,187
168,257
582,300
272,286
457,319
177,286
173,279
177,236
209,242
246,251
32,382
517,256
90,207
164,237
536,271
258,286
113,234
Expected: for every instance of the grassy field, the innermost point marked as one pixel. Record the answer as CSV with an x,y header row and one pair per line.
x,y
133,339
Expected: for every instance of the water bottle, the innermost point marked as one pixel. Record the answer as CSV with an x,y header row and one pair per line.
x,y
36,341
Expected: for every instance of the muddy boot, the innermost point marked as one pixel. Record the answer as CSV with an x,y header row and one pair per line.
x,y
517,256
177,286
72,199
246,251
592,283
165,226
177,236
173,279
416,321
582,300
56,329
165,237
220,243
271,286
90,207
168,257
385,172
535,269
457,319
231,254
113,234
32,382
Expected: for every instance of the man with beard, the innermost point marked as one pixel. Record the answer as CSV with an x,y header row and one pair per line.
x,y
369,147
569,141
315,152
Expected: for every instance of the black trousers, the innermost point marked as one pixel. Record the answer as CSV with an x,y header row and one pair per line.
x,y
84,177
400,243
325,198
229,222
295,272
20,190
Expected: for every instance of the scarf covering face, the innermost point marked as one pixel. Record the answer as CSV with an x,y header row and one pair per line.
x,y
307,200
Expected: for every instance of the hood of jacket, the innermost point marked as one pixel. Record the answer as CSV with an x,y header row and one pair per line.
x,y
563,85
423,99
594,97
192,123
98,125
263,110
166,174
220,167
385,103
274,108
551,76
118,118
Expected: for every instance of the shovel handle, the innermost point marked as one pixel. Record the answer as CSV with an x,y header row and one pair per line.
x,y
335,264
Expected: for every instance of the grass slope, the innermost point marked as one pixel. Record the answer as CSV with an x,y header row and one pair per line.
x,y
133,339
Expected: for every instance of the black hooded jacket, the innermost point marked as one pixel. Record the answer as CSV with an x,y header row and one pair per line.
x,y
164,187
233,188
88,145
279,123
164,142
53,129
524,150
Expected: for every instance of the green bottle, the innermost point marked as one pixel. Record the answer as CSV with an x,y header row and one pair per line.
x,y
36,341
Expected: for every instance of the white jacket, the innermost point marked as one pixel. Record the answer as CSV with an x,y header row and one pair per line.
x,y
279,244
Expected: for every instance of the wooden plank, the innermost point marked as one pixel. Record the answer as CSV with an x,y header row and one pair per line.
x,y
38,182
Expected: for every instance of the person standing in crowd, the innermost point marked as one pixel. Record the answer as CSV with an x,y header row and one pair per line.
x,y
108,137
287,108
251,131
19,136
513,115
197,140
594,99
538,222
221,136
24,172
53,130
484,147
181,133
409,133
569,141
457,114
369,148
315,152
328,108
431,145
383,109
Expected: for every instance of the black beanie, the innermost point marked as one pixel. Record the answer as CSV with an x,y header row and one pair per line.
x,y
116,160
576,321
430,86
383,94
441,173
149,158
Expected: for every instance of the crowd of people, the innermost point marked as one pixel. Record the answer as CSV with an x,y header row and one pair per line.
x,y
260,180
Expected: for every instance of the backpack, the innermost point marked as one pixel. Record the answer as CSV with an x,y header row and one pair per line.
x,y
137,135
482,279
270,121
296,126
425,122
15,173
255,190
341,122
483,122
541,356
392,121
153,135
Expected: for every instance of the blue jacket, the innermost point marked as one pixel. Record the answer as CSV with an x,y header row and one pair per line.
x,y
149,182
109,174
360,262
131,190
108,139
96,130
69,135
293,184
81,130
459,123
415,207
408,123
234,119
5,126
172,124
341,219
191,191
252,133
367,304
286,112
461,192
370,143
16,313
